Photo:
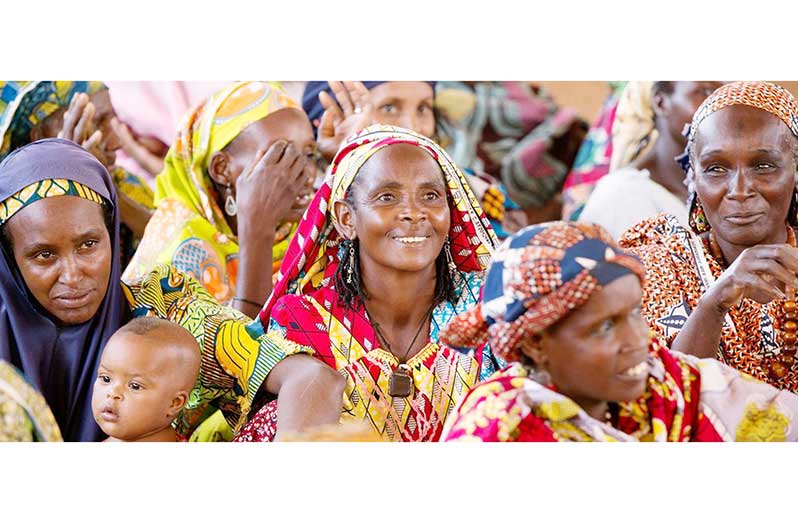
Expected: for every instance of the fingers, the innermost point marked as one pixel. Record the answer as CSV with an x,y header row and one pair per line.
x,y
331,107
360,95
93,142
342,95
85,125
73,113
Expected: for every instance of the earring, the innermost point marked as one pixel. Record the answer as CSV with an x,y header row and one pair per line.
x,y
230,206
541,376
447,249
697,219
349,269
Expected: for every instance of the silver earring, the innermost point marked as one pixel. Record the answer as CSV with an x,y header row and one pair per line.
x,y
349,269
541,376
230,206
447,249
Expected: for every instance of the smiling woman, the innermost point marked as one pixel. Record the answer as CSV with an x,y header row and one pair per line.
x,y
393,245
726,286
562,302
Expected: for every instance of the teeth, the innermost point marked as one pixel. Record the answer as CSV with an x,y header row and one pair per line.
x,y
637,370
412,239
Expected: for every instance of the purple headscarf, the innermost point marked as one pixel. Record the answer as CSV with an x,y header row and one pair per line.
x,y
60,361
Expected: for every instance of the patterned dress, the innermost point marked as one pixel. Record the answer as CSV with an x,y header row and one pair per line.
x,y
679,269
346,341
686,399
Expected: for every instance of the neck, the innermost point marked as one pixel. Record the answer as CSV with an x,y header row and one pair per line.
x,y
662,166
595,409
398,299
167,434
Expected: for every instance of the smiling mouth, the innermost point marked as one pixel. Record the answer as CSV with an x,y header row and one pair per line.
x,y
641,369
409,240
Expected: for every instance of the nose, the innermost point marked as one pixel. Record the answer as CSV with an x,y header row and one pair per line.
x,y
739,186
113,392
412,211
71,271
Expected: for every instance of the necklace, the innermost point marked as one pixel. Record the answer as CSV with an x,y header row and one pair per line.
x,y
787,324
400,384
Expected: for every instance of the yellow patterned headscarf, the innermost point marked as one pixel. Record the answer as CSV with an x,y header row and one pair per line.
x,y
633,132
207,130
45,189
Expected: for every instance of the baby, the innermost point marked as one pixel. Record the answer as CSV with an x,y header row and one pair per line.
x,y
146,373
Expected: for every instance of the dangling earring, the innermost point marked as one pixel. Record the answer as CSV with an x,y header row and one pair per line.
x,y
230,206
792,213
447,249
350,267
697,219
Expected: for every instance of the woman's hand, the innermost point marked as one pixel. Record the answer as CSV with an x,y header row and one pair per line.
x,y
272,187
353,112
147,153
79,127
760,273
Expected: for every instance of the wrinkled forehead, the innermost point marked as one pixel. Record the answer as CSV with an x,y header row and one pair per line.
x,y
402,160
741,126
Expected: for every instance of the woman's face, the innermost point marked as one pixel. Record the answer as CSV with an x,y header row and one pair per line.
x,y
678,107
405,104
63,250
401,214
288,124
744,174
598,353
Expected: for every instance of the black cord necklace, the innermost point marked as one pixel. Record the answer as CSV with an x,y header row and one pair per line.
x,y
400,383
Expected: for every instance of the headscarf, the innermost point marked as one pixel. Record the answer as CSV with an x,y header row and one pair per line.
x,y
537,277
512,125
312,256
312,105
24,105
60,361
766,96
633,132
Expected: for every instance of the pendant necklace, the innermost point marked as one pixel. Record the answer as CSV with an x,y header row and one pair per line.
x,y
400,384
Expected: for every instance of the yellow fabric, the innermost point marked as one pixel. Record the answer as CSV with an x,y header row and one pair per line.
x,y
189,229
633,132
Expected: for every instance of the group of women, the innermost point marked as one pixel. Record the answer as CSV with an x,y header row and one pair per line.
x,y
337,269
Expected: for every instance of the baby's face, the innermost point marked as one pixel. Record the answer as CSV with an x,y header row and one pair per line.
x,y
134,388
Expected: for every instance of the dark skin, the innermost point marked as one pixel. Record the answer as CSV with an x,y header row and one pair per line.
x,y
597,353
90,121
403,104
672,111
270,168
399,196
745,166
64,253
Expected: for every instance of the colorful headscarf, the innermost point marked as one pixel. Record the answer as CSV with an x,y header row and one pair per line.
x,y
537,277
766,96
24,105
60,361
312,256
24,414
189,229
633,132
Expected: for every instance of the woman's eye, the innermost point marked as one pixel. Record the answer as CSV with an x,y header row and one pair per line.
x,y
388,108
714,169
424,109
44,255
90,243
385,197
605,326
432,196
762,166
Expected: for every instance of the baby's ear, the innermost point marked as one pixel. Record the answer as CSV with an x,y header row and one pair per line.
x,y
178,402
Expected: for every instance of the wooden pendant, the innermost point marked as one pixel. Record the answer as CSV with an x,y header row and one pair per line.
x,y
400,384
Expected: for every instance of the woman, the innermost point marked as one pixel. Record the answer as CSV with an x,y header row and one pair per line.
x,y
60,301
722,288
24,415
81,112
236,181
393,245
644,178
562,302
